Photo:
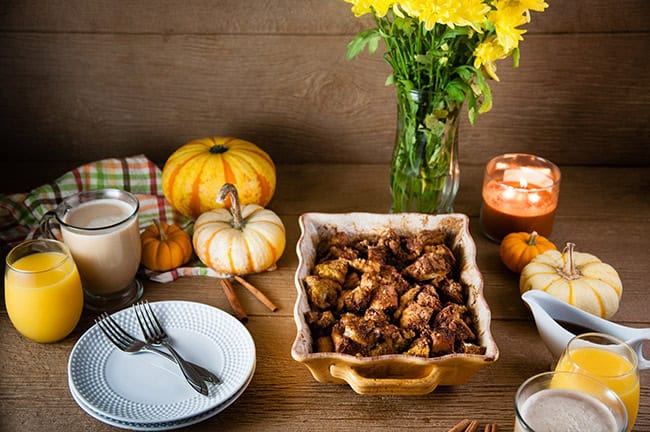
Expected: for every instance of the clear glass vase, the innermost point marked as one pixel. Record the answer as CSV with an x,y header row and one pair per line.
x,y
425,173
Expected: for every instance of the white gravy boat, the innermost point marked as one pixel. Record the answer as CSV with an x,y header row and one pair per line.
x,y
548,310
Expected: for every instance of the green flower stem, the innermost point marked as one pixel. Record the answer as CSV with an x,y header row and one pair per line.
x,y
424,169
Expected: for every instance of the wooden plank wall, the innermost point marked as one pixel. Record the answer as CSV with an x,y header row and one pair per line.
x,y
83,80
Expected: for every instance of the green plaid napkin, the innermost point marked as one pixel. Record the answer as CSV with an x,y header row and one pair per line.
x,y
20,213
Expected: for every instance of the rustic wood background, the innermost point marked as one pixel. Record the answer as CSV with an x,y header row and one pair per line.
x,y
83,80
88,79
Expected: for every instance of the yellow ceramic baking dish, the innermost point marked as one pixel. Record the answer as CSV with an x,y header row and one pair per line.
x,y
395,373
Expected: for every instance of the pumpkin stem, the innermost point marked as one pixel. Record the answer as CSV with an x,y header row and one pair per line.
x,y
569,271
218,149
162,235
532,240
235,209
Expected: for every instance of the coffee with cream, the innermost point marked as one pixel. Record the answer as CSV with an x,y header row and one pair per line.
x,y
104,238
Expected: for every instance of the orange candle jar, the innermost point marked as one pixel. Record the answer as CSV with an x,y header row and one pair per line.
x,y
520,194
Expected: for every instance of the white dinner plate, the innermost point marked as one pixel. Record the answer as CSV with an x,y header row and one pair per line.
x,y
148,389
160,426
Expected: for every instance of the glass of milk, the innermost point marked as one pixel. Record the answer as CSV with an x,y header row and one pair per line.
x,y
568,401
101,229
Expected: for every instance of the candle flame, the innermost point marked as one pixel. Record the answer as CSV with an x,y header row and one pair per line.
x,y
523,183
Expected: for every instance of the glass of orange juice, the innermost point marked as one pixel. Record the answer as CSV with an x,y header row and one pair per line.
x,y
43,292
611,361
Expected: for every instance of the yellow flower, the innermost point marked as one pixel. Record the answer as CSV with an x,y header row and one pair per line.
x,y
536,5
448,46
377,7
486,54
452,13
508,15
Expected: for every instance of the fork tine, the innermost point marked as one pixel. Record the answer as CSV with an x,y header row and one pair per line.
x,y
109,333
147,331
152,317
100,324
115,329
136,309
118,328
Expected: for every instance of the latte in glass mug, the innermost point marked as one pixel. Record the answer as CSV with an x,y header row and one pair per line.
x,y
102,231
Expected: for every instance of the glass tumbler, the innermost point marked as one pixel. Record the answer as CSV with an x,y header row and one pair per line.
x,y
43,292
567,401
609,360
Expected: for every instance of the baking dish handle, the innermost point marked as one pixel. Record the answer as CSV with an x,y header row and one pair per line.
x,y
397,386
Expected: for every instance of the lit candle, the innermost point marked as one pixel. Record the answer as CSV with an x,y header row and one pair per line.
x,y
520,194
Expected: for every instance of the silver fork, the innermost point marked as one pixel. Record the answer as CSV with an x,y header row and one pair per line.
x,y
155,335
124,341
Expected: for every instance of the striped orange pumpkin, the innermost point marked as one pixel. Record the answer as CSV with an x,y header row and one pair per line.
x,y
194,173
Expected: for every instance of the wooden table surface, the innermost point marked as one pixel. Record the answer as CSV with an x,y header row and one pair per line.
x,y
605,211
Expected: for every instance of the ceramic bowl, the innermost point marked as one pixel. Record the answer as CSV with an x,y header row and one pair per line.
x,y
395,373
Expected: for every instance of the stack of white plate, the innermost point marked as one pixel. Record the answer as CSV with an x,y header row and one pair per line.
x,y
147,392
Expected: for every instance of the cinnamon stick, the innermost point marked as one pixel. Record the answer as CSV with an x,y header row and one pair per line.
x,y
257,293
233,300
466,425
460,426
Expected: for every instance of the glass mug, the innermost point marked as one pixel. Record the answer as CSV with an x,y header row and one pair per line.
x,y
554,401
101,229
609,360
43,293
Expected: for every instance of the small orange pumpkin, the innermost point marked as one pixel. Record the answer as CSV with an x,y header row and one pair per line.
x,y
164,246
518,249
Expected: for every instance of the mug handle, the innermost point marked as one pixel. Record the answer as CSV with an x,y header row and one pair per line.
x,y
44,225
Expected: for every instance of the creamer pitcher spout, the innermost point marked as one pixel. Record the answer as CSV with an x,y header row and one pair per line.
x,y
544,307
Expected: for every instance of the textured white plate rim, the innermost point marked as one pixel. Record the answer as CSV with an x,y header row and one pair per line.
x,y
91,380
162,426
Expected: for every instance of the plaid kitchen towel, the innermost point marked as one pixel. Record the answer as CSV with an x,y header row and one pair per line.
x,y
20,213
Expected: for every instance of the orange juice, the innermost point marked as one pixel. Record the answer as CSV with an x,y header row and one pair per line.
x,y
613,369
43,295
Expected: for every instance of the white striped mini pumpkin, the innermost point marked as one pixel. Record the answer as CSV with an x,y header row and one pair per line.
x,y
579,279
238,240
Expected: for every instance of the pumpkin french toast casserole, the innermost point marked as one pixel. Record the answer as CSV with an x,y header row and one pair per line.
x,y
388,294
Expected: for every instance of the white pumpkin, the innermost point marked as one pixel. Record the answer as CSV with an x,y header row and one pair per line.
x,y
238,240
580,279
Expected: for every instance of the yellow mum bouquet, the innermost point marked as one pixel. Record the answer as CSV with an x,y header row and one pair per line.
x,y
442,53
